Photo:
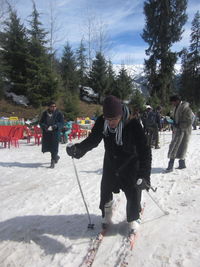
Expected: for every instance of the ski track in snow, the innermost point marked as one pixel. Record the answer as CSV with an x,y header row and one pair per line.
x,y
43,221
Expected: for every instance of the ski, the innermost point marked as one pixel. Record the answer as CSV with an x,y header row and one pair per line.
x,y
96,242
128,246
89,259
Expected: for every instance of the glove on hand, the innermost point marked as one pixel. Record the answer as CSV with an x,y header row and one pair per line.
x,y
44,127
74,151
55,127
143,184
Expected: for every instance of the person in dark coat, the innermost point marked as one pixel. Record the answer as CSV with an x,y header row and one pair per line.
x,y
127,158
51,123
152,126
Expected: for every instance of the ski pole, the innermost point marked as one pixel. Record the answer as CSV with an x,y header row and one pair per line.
x,y
157,204
90,224
139,182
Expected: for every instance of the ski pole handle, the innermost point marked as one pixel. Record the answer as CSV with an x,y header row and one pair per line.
x,y
140,181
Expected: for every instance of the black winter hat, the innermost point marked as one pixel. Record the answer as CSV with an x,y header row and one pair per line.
x,y
174,98
112,107
51,103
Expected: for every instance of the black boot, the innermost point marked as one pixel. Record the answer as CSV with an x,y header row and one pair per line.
x,y
181,164
52,164
170,165
57,159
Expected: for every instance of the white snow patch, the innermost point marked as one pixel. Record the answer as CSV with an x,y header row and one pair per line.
x,y
43,221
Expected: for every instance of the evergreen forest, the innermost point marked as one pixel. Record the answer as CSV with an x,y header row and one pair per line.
x,y
29,64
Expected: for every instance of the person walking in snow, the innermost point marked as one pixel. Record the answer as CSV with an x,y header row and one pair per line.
x,y
182,127
51,123
127,158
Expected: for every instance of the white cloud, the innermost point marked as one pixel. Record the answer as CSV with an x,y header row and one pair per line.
x,y
120,16
63,3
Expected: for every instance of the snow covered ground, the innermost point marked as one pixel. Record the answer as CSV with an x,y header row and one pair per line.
x,y
43,221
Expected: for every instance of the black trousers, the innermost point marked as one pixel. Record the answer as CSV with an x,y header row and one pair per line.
x,y
54,155
133,205
133,197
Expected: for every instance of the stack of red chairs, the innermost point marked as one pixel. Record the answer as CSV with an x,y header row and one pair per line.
x,y
13,136
76,131
16,136
6,139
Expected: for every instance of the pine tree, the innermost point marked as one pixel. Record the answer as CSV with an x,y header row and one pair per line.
x,y
137,100
69,72
195,44
124,83
14,53
71,108
98,78
184,79
1,78
163,27
42,81
111,79
82,63
190,77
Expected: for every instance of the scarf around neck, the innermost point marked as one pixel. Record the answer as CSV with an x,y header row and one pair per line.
x,y
118,129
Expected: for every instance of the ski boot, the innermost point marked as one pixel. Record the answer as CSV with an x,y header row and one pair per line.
x,y
107,219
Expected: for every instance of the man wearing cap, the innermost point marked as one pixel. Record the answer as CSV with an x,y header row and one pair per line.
x,y
127,158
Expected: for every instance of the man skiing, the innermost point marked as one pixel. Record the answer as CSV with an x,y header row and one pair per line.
x,y
127,158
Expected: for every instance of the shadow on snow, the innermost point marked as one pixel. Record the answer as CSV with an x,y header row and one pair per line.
x,y
23,165
42,230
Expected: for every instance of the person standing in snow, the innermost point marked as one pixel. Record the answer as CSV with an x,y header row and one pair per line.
x,y
182,128
152,126
127,158
51,123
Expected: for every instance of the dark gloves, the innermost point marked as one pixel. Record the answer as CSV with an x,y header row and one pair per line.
x,y
74,151
55,127
143,184
44,127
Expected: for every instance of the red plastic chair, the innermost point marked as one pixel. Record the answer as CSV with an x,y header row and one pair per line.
x,y
28,134
6,140
16,136
12,138
37,135
76,131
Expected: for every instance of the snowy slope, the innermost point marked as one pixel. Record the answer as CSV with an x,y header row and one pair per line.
x,y
43,221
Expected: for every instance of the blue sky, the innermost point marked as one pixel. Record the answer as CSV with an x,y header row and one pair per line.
x,y
122,21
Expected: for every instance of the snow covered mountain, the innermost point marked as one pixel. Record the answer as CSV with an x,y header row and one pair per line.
x,y
136,71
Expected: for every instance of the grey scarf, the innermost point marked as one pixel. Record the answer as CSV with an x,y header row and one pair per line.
x,y
118,129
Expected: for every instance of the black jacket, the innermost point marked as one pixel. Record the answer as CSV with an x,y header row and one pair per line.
x,y
122,164
50,139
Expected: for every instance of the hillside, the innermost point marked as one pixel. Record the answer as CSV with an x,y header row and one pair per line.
x,y
10,109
